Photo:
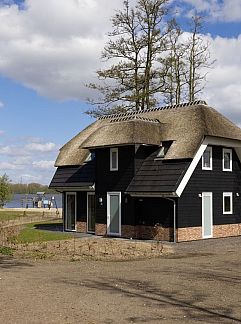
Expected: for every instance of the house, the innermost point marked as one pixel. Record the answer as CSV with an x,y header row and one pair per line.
x,y
171,173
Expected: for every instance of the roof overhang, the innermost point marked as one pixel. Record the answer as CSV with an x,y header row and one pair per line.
x,y
152,194
62,189
75,187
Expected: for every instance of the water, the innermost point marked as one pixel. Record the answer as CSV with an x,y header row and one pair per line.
x,y
16,201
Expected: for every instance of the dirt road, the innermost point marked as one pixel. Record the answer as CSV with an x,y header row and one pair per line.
x,y
200,283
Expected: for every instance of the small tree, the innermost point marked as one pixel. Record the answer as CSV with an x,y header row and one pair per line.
x,y
5,191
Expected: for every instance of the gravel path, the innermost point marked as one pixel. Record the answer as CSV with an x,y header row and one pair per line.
x,y
200,283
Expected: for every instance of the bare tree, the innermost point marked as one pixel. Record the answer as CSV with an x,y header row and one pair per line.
x,y
152,60
134,45
185,67
174,66
198,59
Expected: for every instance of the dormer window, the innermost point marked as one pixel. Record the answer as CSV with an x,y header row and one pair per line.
x,y
207,159
164,147
114,159
90,157
227,159
161,153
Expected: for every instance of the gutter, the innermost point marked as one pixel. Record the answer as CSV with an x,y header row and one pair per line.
x,y
174,219
165,195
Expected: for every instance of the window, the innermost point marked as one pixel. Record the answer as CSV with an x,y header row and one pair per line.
x,y
227,203
227,159
164,147
90,157
114,159
207,159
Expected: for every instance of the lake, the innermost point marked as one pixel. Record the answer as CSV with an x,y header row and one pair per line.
x,y
16,201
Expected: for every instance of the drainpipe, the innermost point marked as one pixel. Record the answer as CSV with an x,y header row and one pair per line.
x,y
174,219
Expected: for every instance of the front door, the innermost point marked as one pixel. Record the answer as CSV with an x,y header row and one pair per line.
x,y
90,212
207,214
70,211
114,213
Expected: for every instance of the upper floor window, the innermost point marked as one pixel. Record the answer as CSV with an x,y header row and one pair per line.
x,y
227,203
114,159
90,157
207,159
227,159
164,147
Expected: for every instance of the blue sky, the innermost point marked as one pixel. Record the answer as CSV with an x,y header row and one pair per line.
x,y
47,57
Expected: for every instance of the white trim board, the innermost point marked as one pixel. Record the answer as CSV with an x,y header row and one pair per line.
x,y
209,140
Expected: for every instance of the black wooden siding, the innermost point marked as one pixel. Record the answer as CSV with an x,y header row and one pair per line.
x,y
152,211
157,176
217,182
74,176
108,181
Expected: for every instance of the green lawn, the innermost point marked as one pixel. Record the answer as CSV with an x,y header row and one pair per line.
x,y
37,232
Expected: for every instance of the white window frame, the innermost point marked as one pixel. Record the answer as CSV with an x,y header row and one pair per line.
x,y
69,193
230,195
210,149
89,194
114,150
109,194
210,195
225,150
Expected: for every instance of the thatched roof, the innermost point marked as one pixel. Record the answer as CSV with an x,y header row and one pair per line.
x,y
185,125
125,132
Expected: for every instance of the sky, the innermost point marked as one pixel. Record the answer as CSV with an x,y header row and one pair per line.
x,y
49,51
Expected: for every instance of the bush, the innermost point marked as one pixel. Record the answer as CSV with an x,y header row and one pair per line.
x,y
5,191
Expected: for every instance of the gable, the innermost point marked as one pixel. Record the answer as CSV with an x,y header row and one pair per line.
x,y
207,141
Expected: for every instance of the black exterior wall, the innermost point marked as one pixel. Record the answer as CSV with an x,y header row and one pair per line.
x,y
147,211
109,181
153,211
189,210
81,206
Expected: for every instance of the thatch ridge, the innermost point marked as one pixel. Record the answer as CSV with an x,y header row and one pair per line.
x,y
184,104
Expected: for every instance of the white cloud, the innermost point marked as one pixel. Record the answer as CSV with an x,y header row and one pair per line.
x,y
47,147
43,164
1,104
53,46
29,162
6,150
9,166
12,150
216,10
2,132
223,89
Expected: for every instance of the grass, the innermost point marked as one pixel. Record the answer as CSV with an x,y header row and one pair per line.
x,y
33,233
5,250
9,214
